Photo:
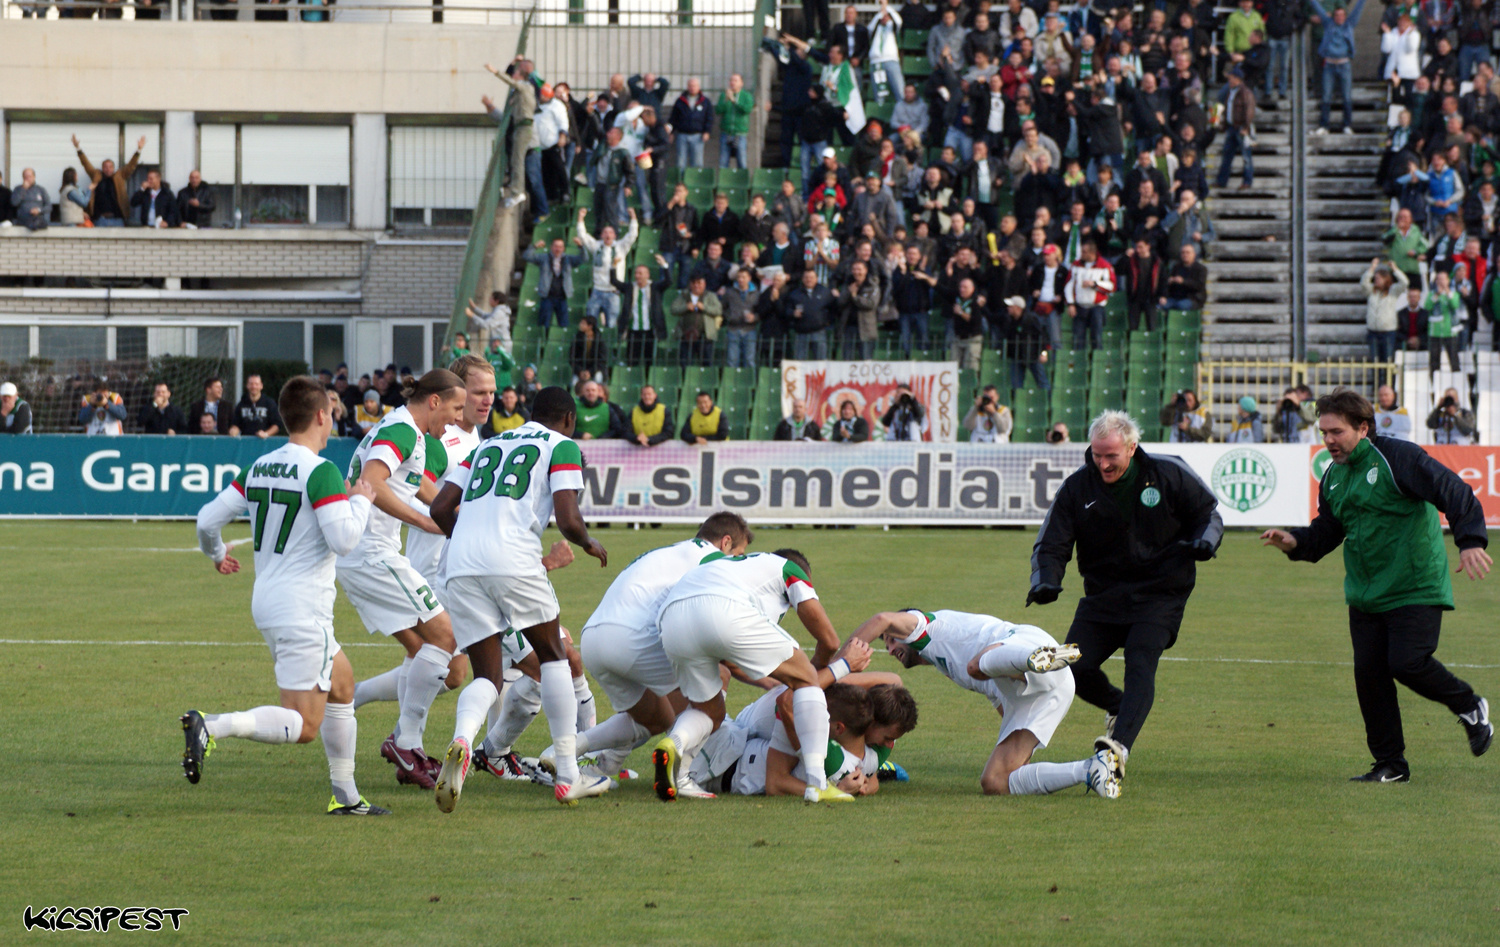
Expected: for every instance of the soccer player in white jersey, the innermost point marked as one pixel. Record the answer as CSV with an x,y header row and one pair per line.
x,y
302,519
729,610
390,596
621,644
424,550
510,489
1024,673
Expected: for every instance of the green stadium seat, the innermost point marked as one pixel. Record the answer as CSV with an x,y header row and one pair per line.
x,y
625,385
664,377
767,180
844,154
880,110
582,197
968,386
915,67
699,177
1143,403
733,177
914,40
1180,376
702,198
696,378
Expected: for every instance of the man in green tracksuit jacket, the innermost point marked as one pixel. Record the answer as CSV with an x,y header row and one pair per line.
x,y
1381,497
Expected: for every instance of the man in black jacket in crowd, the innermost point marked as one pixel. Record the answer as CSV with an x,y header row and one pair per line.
x,y
257,415
195,203
161,416
1140,525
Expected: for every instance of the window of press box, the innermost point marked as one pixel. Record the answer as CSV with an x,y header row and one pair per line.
x,y
277,175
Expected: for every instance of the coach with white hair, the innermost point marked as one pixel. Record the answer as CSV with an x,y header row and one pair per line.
x,y
1140,525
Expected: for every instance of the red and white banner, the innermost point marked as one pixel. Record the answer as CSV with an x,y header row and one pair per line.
x,y
871,386
1479,467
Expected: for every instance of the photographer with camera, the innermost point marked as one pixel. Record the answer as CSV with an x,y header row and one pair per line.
x,y
1291,424
1189,420
102,412
989,421
905,419
1058,434
1450,422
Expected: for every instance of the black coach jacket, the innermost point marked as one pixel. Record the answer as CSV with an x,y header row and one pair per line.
x,y
1132,569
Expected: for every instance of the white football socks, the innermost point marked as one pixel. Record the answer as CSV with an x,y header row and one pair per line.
x,y
1004,661
474,702
339,733
385,686
619,730
263,725
522,701
561,705
690,732
587,709
424,679
1039,779
810,720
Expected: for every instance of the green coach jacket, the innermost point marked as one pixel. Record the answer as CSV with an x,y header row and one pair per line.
x,y
1383,506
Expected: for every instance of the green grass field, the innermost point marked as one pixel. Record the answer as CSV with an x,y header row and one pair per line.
x,y
1236,826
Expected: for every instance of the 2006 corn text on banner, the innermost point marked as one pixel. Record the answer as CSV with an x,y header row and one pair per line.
x,y
906,483
871,386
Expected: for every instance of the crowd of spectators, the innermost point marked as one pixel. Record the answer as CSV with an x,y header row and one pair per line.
x,y
1439,168
103,198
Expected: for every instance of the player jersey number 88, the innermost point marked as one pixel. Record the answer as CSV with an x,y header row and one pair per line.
x,y
507,484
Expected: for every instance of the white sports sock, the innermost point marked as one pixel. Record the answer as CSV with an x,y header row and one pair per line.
x,y
561,705
385,686
810,719
522,701
1004,661
692,729
263,725
618,731
612,760
428,669
587,709
474,702
339,733
1039,779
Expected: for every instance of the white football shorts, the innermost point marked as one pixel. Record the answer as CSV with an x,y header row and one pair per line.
x,y
699,632
627,662
303,657
484,606
389,595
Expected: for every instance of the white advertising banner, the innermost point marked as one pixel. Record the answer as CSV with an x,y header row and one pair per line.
x,y
871,387
907,483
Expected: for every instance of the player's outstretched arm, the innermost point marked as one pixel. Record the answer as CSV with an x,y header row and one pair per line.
x,y
444,507
376,473
903,623
779,778
570,523
853,657
1313,542
215,515
815,620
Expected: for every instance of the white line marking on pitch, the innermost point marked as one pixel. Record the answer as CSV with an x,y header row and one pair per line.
x,y
229,543
382,644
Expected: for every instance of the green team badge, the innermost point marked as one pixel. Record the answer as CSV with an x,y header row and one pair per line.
x,y
1320,462
1372,476
1150,496
1244,479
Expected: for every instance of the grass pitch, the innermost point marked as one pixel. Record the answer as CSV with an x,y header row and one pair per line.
x,y
1236,825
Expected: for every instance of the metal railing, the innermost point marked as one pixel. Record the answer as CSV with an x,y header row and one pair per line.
x,y
1298,64
652,14
1224,381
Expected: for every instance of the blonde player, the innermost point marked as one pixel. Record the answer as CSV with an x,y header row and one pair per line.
x,y
1024,673
390,596
729,610
302,519
510,489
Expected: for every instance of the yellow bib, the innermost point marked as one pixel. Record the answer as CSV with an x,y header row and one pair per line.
x,y
705,425
650,422
501,423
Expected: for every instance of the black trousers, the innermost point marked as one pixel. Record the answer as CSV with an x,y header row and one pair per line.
x,y
1143,641
1397,646
640,347
816,12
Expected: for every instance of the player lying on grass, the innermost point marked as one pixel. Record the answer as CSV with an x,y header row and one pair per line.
x,y
1024,673
510,489
303,519
424,550
729,609
391,596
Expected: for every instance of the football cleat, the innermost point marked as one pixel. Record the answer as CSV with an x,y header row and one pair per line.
x,y
1109,724
666,757
687,789
1051,658
1111,745
1385,773
585,786
412,768
1104,774
1477,724
826,794
450,780
891,772
199,745
540,771
591,769
505,766
362,807
388,750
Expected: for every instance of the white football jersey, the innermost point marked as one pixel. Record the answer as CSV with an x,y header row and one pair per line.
x,y
293,496
769,583
635,596
425,549
398,443
508,484
951,639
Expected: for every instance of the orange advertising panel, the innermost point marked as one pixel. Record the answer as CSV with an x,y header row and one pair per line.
x,y
1479,467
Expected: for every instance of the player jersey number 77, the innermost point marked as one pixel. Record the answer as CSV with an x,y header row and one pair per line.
x,y
508,482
